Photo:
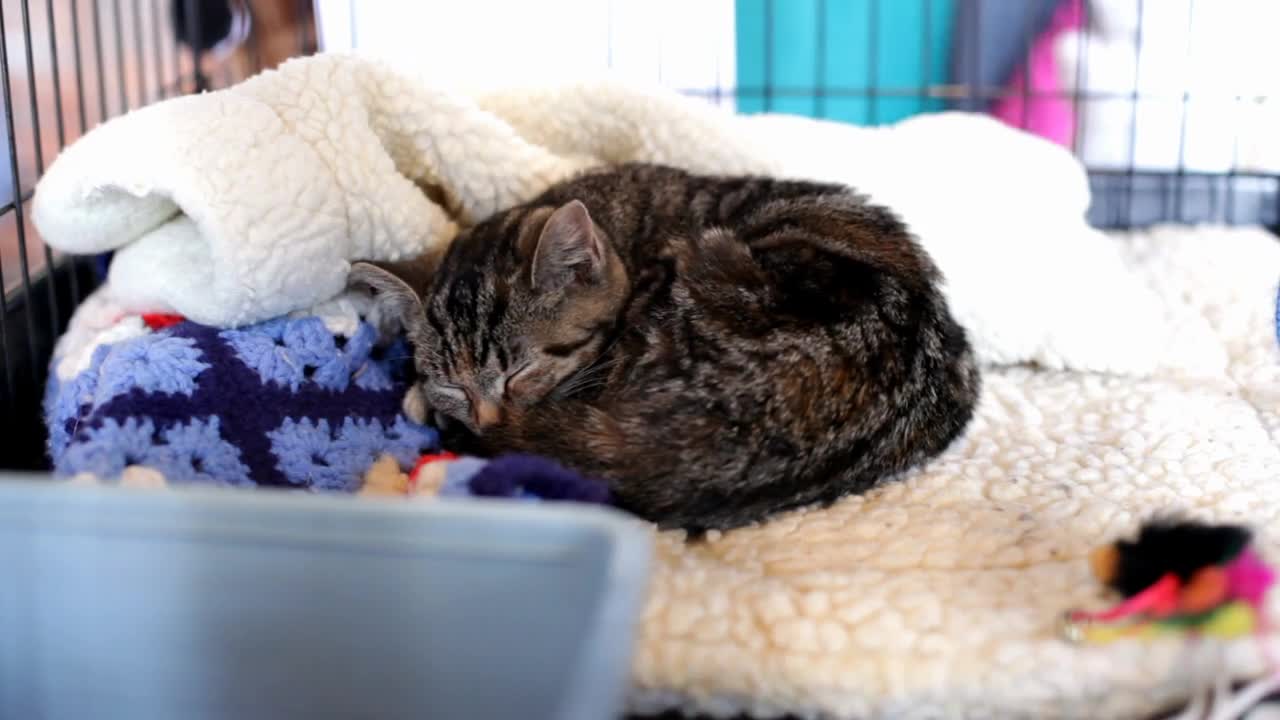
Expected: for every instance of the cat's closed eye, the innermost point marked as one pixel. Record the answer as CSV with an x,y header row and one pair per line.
x,y
452,392
447,403
536,378
565,349
629,323
514,384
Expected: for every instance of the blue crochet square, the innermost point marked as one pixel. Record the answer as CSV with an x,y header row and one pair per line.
x,y
284,403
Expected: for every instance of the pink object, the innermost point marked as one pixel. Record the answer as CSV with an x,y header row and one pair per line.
x,y
1051,116
1250,578
1160,599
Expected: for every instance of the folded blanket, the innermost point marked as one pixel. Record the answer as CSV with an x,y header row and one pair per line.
x,y
936,595
306,402
237,206
310,402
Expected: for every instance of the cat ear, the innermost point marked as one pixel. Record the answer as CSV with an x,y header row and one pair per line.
x,y
570,249
392,294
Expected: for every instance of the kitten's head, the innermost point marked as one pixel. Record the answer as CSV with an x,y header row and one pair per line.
x,y
516,307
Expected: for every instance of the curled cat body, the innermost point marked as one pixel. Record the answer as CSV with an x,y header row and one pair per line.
x,y
719,349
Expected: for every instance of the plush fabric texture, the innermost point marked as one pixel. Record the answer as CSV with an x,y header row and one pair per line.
x,y
935,596
240,205
518,475
1125,376
308,402
290,402
939,596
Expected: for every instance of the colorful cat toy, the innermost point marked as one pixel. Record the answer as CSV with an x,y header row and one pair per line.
x,y
1177,577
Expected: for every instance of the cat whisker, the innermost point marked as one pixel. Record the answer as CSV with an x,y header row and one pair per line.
x,y
590,377
786,342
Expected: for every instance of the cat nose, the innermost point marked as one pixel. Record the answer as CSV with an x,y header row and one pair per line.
x,y
485,412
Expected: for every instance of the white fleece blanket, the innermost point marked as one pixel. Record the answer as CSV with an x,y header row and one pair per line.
x,y
938,596
240,205
934,596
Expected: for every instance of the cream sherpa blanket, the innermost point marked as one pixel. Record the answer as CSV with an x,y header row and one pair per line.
x,y
938,596
240,205
1155,385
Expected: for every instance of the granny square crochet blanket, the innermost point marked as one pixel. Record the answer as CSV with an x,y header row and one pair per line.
x,y
1124,375
305,402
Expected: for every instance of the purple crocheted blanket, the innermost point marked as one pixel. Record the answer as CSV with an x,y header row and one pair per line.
x,y
299,402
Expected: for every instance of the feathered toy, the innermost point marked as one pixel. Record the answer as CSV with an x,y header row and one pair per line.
x,y
1181,577
1177,577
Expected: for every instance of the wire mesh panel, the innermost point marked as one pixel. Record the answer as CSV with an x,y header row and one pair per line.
x,y
1172,105
65,67
1164,101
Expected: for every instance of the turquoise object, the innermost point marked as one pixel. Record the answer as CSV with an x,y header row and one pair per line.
x,y
865,62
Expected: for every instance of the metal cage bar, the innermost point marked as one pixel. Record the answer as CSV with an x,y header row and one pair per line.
x,y
115,55
10,134
102,60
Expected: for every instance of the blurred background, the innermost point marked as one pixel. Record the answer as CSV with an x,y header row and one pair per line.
x,y
1177,96
1153,87
1171,104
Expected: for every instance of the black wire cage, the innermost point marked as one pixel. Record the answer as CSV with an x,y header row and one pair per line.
x,y
81,62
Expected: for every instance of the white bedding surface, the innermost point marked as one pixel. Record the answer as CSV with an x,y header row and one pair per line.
x,y
331,153
934,595
938,595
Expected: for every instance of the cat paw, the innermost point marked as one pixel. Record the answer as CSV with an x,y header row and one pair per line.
x,y
414,406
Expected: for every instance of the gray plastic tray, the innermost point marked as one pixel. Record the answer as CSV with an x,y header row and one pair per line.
x,y
119,603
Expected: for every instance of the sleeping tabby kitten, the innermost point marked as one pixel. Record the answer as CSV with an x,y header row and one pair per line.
x,y
718,348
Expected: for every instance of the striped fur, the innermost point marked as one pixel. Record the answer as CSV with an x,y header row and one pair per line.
x,y
728,347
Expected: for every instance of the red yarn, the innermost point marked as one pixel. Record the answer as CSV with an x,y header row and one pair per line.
x,y
160,321
427,460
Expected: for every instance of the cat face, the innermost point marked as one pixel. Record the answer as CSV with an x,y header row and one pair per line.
x,y
520,305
